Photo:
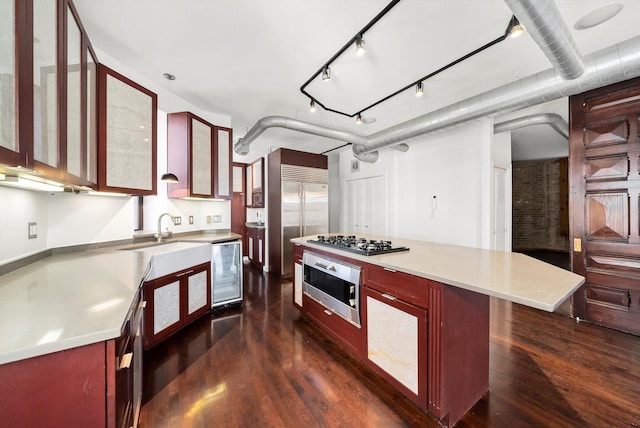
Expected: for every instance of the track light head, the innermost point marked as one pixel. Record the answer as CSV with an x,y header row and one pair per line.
x,y
359,45
312,106
515,29
419,89
359,119
326,73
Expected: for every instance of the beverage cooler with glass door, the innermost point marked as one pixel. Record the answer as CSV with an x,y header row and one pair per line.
x,y
226,274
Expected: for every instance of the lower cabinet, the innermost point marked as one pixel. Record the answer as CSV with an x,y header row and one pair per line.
x,y
175,300
396,342
96,385
128,368
297,275
349,335
255,237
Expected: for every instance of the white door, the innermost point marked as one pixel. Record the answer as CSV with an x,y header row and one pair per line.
x,y
365,206
500,233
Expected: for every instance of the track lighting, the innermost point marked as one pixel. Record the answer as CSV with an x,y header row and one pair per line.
x,y
359,119
419,89
312,106
515,28
326,73
359,45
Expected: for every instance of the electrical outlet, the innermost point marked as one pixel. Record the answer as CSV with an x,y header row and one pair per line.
x,y
177,221
209,219
33,230
190,219
217,219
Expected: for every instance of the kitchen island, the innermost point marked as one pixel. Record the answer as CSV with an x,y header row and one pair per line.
x,y
425,313
69,327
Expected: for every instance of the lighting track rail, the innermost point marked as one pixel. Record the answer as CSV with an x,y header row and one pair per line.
x,y
514,29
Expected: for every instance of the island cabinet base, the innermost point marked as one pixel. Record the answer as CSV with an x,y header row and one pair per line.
x,y
428,339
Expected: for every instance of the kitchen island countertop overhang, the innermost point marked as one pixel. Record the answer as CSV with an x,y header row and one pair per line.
x,y
510,276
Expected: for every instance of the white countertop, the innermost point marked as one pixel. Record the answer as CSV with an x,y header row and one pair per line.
x,y
75,299
509,276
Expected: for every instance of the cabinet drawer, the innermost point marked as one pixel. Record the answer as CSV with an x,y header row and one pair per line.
x,y
347,334
410,288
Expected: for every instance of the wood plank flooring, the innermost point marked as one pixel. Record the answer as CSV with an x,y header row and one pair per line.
x,y
266,366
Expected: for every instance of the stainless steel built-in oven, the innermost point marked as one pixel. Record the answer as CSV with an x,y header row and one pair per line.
x,y
335,284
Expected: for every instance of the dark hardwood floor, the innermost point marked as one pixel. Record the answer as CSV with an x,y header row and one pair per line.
x,y
266,366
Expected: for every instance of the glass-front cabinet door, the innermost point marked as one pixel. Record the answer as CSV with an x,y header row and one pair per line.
x,y
45,83
91,116
76,161
127,135
8,140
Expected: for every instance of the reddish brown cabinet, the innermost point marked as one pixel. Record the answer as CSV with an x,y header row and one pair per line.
x,y
428,339
298,251
96,385
127,135
396,342
255,242
199,154
48,104
175,300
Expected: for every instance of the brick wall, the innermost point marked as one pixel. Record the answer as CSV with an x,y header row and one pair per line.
x,y
540,205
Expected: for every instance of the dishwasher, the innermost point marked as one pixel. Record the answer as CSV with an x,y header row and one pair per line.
x,y
226,274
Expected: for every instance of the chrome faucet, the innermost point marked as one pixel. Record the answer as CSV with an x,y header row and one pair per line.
x,y
159,236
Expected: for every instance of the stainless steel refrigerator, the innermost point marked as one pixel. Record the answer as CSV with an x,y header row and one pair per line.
x,y
305,207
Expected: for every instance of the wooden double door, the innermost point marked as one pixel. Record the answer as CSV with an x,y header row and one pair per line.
x,y
604,158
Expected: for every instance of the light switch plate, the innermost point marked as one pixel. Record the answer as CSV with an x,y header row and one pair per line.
x,y
177,221
190,219
33,230
217,219
209,219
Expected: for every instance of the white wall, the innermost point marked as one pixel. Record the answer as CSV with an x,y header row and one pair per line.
x,y
19,207
66,219
456,167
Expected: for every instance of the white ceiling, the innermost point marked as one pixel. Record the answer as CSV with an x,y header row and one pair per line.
x,y
248,58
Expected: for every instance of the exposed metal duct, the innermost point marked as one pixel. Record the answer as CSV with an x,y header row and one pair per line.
x,y
604,67
554,120
242,145
543,21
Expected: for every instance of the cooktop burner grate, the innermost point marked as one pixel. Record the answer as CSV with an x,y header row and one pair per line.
x,y
363,246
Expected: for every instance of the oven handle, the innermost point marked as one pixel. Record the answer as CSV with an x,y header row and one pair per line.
x,y
330,267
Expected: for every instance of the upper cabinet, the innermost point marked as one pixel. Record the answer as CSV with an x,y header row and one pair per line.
x,y
256,199
9,148
48,113
127,131
222,157
199,154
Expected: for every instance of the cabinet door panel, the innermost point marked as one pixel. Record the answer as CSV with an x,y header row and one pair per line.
x,y
91,119
392,341
45,83
166,306
201,158
127,136
223,163
197,294
396,342
7,77
74,97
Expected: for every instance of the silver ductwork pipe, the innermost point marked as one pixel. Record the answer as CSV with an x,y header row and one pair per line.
x,y
242,146
555,121
543,22
604,67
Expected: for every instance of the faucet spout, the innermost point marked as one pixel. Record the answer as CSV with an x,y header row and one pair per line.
x,y
159,235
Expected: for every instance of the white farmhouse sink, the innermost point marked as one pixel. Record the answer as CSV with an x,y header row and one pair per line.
x,y
173,257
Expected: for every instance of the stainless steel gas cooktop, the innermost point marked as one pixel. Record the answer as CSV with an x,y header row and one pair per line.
x,y
363,246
